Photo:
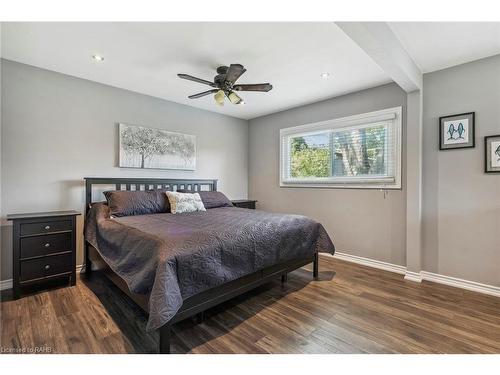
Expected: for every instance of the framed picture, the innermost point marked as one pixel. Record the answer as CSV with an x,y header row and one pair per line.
x,y
492,154
457,131
142,147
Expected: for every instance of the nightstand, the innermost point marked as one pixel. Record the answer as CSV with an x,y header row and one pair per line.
x,y
44,248
244,203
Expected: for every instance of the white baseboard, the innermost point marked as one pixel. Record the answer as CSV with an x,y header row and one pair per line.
x,y
461,283
413,276
422,275
371,263
7,284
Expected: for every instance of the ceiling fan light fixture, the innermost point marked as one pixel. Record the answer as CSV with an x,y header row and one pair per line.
x,y
234,98
219,97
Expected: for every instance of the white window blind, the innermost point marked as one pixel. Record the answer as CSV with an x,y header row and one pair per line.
x,y
362,151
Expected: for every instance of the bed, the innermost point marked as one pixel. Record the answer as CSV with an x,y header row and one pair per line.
x,y
178,266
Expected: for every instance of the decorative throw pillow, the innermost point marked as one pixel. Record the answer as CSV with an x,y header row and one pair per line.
x,y
211,199
140,202
184,202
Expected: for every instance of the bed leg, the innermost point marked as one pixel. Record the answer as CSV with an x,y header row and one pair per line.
x,y
200,317
284,278
165,332
316,266
88,263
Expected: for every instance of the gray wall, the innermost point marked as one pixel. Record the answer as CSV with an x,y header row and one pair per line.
x,y
1,230
361,222
57,129
461,210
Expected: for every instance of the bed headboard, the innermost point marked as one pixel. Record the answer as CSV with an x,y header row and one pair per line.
x,y
146,184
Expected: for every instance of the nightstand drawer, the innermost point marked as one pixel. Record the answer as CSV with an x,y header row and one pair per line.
x,y
45,244
46,266
250,205
45,227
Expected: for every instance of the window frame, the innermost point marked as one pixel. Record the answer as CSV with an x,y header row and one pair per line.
x,y
338,124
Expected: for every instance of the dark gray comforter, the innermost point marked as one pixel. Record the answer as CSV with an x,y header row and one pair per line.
x,y
172,257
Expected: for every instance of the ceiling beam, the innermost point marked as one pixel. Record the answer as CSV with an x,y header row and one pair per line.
x,y
380,43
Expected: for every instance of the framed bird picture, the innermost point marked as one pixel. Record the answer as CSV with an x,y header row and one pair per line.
x,y
457,131
492,154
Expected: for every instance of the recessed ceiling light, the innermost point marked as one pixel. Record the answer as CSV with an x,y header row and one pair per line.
x,y
325,75
98,57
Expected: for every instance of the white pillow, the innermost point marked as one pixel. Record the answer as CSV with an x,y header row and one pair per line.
x,y
184,202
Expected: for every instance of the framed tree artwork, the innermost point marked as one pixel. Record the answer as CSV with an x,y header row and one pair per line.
x,y
142,147
492,154
457,131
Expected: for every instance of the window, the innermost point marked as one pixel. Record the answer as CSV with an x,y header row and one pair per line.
x,y
362,151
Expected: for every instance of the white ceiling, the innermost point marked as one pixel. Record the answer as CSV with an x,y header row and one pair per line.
x,y
146,57
439,45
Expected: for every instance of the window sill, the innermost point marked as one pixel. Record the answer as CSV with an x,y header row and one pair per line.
x,y
340,186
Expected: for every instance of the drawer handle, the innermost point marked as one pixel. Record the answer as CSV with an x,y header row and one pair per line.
x,y
47,244
47,227
47,266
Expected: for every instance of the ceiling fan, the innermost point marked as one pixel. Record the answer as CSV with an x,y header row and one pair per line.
x,y
224,84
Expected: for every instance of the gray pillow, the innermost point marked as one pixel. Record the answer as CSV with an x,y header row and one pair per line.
x,y
143,202
211,199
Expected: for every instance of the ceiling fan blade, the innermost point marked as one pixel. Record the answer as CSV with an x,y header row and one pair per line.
x,y
199,80
264,87
205,93
234,72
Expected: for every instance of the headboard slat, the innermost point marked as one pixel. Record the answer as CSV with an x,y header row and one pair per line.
x,y
149,183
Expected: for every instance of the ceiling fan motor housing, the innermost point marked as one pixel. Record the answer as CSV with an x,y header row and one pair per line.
x,y
220,81
222,69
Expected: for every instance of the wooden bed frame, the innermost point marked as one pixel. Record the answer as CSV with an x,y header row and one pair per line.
x,y
197,304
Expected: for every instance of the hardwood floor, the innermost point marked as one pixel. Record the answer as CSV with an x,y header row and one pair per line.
x,y
351,309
